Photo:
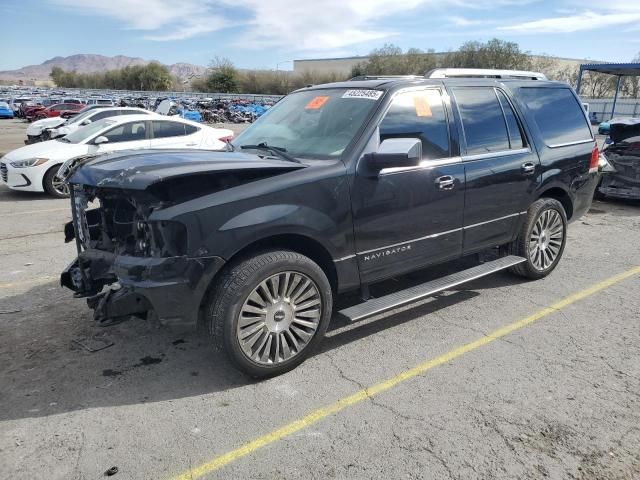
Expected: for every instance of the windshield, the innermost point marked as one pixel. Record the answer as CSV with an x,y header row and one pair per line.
x,y
87,131
80,117
317,124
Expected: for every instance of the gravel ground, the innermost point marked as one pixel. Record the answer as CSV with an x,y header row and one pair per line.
x,y
559,398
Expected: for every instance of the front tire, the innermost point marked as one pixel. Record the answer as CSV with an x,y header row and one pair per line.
x,y
268,312
541,240
53,185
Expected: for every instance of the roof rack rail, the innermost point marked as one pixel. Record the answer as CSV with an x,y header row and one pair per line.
x,y
484,73
385,77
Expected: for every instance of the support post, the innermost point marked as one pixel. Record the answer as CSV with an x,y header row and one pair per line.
x,y
615,98
579,84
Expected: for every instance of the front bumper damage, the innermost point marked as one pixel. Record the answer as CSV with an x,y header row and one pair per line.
x,y
141,283
172,288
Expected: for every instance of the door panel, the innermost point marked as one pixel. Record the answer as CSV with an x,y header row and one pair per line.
x,y
404,218
497,191
501,171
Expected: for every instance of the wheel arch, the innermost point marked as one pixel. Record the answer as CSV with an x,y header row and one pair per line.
x,y
562,196
299,243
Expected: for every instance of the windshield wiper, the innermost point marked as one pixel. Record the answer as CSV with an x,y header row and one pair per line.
x,y
278,151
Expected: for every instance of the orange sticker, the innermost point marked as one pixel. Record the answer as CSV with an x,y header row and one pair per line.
x,y
316,103
423,109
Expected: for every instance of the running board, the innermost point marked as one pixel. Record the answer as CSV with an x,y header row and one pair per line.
x,y
379,305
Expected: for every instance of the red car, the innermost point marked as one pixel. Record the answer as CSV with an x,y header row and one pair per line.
x,y
57,109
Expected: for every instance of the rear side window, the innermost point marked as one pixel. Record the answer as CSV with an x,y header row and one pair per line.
x,y
419,114
132,112
190,129
484,124
168,129
558,115
516,140
101,115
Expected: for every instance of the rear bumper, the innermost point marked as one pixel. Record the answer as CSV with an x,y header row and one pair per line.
x,y
173,288
583,188
617,186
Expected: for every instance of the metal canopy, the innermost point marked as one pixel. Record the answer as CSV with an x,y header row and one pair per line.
x,y
618,69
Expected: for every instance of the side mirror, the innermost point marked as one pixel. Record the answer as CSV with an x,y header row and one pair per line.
x,y
86,122
393,153
101,139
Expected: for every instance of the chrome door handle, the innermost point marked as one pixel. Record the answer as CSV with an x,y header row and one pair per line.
x,y
445,182
528,168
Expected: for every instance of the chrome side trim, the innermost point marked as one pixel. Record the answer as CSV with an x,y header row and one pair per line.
x,y
568,144
493,220
424,165
502,153
435,235
336,260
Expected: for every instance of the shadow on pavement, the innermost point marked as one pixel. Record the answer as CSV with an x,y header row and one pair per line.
x,y
44,372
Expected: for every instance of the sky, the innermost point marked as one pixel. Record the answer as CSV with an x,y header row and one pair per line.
x,y
271,33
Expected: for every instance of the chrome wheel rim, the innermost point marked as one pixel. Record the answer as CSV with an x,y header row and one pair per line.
x,y
279,318
546,239
60,186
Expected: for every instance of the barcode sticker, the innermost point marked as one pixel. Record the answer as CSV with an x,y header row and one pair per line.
x,y
361,93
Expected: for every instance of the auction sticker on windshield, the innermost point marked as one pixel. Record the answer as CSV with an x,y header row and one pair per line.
x,y
368,94
316,103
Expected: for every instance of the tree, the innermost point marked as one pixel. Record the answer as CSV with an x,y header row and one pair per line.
x,y
223,77
391,60
495,53
152,76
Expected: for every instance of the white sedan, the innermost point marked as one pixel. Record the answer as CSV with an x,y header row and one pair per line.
x,y
34,167
48,128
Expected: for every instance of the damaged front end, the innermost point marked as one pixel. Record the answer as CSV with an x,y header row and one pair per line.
x,y
624,156
149,260
143,262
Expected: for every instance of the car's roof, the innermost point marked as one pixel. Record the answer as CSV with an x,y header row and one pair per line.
x,y
391,83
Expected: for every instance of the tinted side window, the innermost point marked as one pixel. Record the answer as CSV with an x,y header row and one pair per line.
x,y
557,114
516,138
190,129
101,115
132,112
168,129
419,114
127,132
484,125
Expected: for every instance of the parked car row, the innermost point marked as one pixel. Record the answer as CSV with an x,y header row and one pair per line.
x,y
98,131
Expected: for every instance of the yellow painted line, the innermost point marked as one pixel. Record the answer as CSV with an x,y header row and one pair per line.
x,y
363,394
31,212
33,281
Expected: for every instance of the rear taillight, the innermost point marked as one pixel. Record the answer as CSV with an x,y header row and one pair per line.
x,y
226,139
595,156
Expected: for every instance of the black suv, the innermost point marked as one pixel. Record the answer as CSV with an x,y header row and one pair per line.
x,y
336,187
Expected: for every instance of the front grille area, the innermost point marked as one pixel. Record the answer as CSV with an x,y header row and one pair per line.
x,y
3,172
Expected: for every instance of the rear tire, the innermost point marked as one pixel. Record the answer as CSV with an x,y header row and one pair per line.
x,y
53,185
269,311
541,239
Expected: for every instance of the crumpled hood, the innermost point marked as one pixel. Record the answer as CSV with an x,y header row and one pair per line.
x,y
140,169
37,127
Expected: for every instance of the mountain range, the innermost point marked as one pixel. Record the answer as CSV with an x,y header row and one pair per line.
x,y
90,63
